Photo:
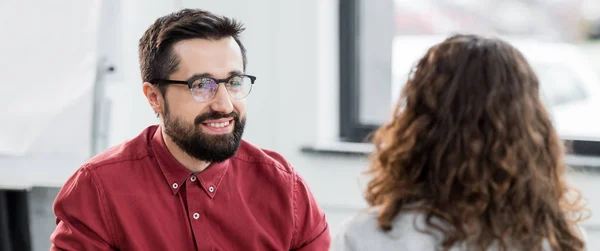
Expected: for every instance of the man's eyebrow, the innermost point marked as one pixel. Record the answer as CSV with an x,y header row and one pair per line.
x,y
199,75
206,74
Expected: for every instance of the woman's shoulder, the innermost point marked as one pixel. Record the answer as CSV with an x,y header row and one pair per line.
x,y
361,232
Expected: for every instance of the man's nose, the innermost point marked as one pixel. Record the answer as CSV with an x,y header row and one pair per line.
x,y
221,102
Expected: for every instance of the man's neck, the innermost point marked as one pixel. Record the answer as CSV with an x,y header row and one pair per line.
x,y
182,157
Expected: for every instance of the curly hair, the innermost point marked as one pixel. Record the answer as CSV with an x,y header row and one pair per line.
x,y
471,143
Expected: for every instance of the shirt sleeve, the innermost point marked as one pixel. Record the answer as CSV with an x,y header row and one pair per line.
x,y
82,222
311,231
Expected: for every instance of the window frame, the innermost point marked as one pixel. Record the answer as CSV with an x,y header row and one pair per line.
x,y
351,129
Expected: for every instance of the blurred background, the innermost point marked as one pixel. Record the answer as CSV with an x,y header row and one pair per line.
x,y
329,72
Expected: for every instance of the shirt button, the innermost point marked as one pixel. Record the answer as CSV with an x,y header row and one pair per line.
x,y
196,216
211,189
175,185
193,178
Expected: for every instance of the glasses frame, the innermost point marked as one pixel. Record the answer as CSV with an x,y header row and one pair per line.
x,y
191,81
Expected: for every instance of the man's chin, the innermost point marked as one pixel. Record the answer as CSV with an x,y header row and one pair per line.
x,y
218,152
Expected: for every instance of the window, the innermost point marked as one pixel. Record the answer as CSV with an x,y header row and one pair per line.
x,y
381,40
552,79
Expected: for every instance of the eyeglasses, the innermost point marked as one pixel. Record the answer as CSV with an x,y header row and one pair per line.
x,y
204,88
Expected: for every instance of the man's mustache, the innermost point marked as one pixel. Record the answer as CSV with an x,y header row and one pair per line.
x,y
215,115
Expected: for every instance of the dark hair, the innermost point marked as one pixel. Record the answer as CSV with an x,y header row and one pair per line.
x,y
471,143
157,60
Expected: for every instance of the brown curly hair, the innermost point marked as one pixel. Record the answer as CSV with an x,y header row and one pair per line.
x,y
471,143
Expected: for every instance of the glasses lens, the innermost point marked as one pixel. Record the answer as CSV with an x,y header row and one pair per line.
x,y
203,89
239,87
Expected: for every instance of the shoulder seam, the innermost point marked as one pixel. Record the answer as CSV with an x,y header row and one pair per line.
x,y
93,166
273,163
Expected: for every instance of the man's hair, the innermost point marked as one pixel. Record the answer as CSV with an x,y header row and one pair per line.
x,y
472,144
156,56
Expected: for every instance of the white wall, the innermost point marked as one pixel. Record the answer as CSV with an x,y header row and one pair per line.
x,y
47,71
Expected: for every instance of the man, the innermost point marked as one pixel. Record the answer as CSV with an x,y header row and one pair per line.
x,y
191,182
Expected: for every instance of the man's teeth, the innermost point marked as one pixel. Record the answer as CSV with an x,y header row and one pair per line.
x,y
218,125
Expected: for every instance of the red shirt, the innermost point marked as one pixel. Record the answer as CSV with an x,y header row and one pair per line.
x,y
136,196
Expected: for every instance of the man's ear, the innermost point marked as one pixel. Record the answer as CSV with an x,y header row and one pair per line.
x,y
154,97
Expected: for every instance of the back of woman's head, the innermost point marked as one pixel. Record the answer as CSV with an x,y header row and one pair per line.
x,y
471,143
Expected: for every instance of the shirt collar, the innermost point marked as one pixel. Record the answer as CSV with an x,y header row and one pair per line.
x,y
176,175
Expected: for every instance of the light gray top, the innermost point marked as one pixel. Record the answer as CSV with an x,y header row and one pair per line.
x,y
361,233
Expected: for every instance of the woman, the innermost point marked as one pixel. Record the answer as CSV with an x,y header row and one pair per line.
x,y
469,160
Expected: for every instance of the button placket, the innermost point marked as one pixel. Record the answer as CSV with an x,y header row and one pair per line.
x,y
196,198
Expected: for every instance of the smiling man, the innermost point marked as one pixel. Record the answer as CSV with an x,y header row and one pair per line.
x,y
191,182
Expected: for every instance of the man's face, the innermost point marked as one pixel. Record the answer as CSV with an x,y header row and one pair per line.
x,y
212,130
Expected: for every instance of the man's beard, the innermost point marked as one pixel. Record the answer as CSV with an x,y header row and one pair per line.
x,y
203,146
